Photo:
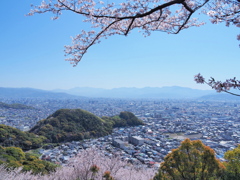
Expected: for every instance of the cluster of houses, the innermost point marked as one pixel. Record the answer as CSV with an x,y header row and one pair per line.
x,y
168,122
148,144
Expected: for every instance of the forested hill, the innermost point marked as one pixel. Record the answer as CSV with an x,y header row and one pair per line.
x,y
71,124
14,106
76,124
62,126
125,118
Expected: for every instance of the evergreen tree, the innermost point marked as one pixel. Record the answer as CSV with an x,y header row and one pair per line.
x,y
233,163
191,161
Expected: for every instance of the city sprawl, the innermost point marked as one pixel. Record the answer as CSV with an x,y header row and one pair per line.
x,y
168,122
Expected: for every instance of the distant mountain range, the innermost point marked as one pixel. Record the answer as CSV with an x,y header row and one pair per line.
x,y
147,92
174,92
32,93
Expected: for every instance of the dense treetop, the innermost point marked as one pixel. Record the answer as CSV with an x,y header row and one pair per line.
x,y
232,164
191,161
14,157
10,136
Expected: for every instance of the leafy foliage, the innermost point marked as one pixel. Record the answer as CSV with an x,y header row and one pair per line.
x,y
191,161
14,157
10,136
72,124
233,163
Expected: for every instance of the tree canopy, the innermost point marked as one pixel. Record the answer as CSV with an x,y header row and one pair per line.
x,y
14,157
10,136
191,161
233,163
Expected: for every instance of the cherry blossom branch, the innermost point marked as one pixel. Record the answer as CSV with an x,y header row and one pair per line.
x,y
218,85
191,13
171,16
138,15
84,50
129,27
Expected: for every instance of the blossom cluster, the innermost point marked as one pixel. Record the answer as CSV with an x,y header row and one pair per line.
x,y
219,86
109,19
89,164
199,78
227,11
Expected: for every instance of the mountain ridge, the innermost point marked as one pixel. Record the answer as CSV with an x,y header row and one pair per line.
x,y
133,92
31,93
167,92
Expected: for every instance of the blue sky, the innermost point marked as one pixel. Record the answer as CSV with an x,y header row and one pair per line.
x,y
31,54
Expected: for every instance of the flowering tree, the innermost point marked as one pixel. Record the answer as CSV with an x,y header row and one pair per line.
x,y
88,164
219,86
109,19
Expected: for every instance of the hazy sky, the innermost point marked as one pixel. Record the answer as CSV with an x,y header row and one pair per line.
x,y
31,54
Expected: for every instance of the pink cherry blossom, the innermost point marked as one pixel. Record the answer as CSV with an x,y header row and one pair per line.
x,y
199,79
108,18
219,86
81,167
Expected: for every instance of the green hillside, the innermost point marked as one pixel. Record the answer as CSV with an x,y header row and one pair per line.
x,y
14,157
72,124
124,119
10,136
63,126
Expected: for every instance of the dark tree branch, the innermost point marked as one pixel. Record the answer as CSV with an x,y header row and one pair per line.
x,y
129,27
98,35
125,17
187,7
189,16
183,24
